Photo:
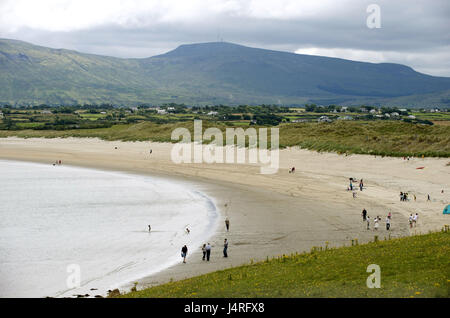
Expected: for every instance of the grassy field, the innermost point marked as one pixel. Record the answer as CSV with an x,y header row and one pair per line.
x,y
386,138
416,266
432,116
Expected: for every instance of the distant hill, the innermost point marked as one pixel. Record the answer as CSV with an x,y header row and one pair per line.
x,y
209,73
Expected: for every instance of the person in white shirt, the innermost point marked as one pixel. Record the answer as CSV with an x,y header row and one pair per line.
x,y
208,251
410,221
415,218
388,223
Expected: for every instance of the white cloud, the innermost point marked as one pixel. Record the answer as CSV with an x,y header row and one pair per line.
x,y
420,61
70,15
348,54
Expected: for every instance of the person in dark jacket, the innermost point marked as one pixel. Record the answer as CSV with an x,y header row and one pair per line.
x,y
225,248
204,252
184,251
208,251
364,214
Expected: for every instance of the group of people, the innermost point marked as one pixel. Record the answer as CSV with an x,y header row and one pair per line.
x,y
351,187
206,248
377,219
404,196
413,219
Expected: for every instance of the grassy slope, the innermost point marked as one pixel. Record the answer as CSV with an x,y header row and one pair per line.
x,y
390,138
416,266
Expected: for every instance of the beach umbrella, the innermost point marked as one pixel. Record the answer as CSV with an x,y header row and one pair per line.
x,y
447,209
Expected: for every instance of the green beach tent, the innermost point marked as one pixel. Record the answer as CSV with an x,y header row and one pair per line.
x,y
447,209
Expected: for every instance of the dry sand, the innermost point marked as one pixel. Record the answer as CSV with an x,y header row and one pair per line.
x,y
271,214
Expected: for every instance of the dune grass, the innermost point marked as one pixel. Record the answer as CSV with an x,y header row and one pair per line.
x,y
416,266
384,138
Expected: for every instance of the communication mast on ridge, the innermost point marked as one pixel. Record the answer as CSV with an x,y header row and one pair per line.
x,y
219,37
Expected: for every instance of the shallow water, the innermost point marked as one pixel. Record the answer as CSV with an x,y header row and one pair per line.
x,y
55,220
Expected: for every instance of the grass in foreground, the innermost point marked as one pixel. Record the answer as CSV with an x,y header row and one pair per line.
x,y
384,138
416,266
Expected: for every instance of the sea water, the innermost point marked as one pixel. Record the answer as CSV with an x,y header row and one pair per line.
x,y
60,225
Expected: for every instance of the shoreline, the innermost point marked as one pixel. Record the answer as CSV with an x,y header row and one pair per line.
x,y
269,214
131,260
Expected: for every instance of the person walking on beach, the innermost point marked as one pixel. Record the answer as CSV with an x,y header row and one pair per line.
x,y
368,222
225,248
208,252
149,228
428,198
389,215
375,224
354,194
388,223
204,252
414,197
364,214
415,217
410,221
227,224
184,251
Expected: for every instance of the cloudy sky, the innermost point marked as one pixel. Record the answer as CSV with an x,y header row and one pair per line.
x,y
415,33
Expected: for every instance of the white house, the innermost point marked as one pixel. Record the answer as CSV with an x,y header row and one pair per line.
x,y
394,114
324,119
412,117
299,121
373,111
344,109
161,111
212,113
345,118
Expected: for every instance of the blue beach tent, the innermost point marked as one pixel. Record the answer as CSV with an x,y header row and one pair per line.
x,y
447,209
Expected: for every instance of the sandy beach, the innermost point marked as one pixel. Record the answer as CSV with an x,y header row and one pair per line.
x,y
273,214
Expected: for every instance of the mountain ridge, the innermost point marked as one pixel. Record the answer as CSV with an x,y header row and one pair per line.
x,y
207,73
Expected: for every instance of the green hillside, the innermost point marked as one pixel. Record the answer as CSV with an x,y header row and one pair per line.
x,y
416,266
207,73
